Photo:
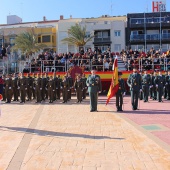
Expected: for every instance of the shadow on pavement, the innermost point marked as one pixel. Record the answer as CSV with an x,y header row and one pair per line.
x,y
147,111
51,133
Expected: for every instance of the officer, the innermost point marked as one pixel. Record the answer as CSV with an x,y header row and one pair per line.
x,y
78,86
94,87
84,79
8,88
151,87
154,89
51,89
165,93
15,87
120,92
1,85
43,86
71,83
167,84
29,87
22,87
3,93
135,84
58,88
46,89
146,84
160,82
33,89
141,92
37,87
65,88
55,82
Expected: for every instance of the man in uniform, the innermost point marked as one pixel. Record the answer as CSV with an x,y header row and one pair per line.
x,y
58,88
3,93
165,93
46,89
160,82
22,87
94,87
65,88
8,88
141,92
134,82
154,89
51,89
84,79
29,87
33,89
71,83
146,84
37,87
55,82
120,93
15,87
78,86
167,84
43,86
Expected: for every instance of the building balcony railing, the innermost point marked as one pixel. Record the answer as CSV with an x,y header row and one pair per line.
x,y
103,39
149,37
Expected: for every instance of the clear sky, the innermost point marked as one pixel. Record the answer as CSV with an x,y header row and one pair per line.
x,y
34,10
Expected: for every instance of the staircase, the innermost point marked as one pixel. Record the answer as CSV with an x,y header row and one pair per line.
x,y
121,65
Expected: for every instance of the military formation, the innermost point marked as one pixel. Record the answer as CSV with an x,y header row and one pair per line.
x,y
146,85
41,87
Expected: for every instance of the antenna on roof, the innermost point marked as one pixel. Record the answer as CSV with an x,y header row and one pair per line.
x,y
111,7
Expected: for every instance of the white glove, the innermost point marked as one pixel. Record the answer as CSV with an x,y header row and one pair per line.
x,y
25,88
53,90
156,85
18,87
124,93
68,90
9,87
40,88
140,90
34,88
61,87
99,91
87,84
150,86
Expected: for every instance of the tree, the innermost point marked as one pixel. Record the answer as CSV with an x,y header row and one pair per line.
x,y
27,42
77,36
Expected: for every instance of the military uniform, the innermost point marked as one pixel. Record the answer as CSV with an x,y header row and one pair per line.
x,y
94,86
167,86
160,82
119,94
15,88
71,83
37,87
8,89
29,87
154,88
58,88
65,87
51,88
22,88
43,87
84,79
3,93
146,84
78,86
134,82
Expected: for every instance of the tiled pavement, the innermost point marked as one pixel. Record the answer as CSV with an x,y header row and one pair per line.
x,y
69,137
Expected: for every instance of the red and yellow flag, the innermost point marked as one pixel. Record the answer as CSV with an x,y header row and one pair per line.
x,y
114,83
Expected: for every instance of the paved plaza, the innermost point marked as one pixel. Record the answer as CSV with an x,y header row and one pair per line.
x,y
68,137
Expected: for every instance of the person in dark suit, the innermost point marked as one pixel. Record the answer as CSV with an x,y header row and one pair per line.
x,y
65,88
120,93
154,89
22,87
167,85
94,87
51,89
134,82
8,88
84,79
78,86
15,87
43,86
29,86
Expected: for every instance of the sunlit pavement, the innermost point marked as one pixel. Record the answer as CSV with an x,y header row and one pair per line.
x,y
68,136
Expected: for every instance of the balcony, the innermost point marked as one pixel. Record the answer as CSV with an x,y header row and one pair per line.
x,y
149,37
102,40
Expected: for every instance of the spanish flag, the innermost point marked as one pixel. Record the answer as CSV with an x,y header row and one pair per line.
x,y
114,83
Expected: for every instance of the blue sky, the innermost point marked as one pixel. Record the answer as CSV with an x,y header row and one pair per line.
x,y
34,10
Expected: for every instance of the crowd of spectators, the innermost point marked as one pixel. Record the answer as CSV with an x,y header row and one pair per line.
x,y
50,62
152,60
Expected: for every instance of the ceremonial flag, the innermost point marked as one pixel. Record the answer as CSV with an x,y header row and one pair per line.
x,y
114,83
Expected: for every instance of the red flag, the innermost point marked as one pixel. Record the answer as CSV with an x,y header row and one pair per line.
x,y
114,83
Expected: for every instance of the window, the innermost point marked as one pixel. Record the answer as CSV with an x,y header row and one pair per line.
x,y
99,35
117,47
105,34
39,39
117,33
46,38
87,34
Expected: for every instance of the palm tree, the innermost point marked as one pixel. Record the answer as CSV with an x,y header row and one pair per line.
x,y
77,36
27,42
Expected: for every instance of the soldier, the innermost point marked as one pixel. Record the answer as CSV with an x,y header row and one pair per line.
x,y
15,87
58,88
37,87
55,82
120,93
141,92
71,83
151,87
43,86
154,89
65,87
22,87
84,79
146,84
134,82
78,86
46,89
29,87
3,93
1,85
51,89
167,84
33,89
8,88
165,93
94,87
160,82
